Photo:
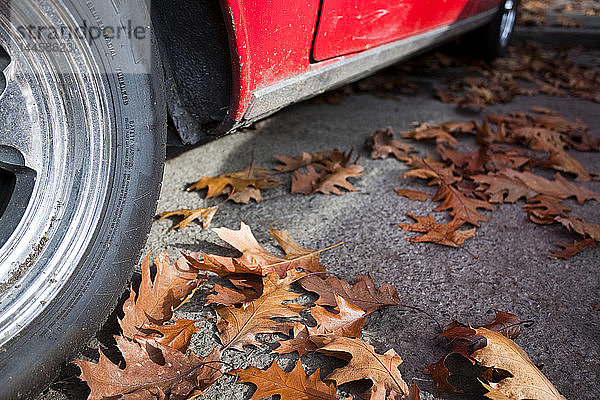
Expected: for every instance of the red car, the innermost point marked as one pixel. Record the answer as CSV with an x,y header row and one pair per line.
x,y
88,90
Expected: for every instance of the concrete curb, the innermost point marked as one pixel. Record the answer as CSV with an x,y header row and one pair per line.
x,y
557,36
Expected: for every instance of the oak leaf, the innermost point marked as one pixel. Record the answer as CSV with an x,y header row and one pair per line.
x,y
543,209
177,334
412,194
559,187
155,301
348,322
460,206
579,225
328,175
427,131
382,144
294,385
363,294
527,381
241,185
502,189
237,326
255,259
444,234
299,342
293,163
364,363
178,376
570,249
486,357
204,214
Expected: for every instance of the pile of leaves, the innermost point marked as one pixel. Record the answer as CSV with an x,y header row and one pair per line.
x,y
254,292
261,293
535,12
498,171
326,172
527,70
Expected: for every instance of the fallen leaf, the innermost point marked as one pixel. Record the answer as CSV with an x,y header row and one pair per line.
x,y
294,385
382,144
256,258
241,185
460,207
176,335
527,381
293,163
155,301
542,209
328,176
486,357
237,326
363,294
300,341
444,234
559,187
348,322
412,194
204,214
426,131
364,363
570,249
179,376
580,226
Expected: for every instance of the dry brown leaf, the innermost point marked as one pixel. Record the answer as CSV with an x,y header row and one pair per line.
x,y
382,144
364,363
426,131
256,258
445,234
486,357
580,226
527,381
559,187
570,249
227,296
543,209
327,180
461,207
241,185
502,189
348,322
300,341
238,325
204,214
293,163
179,376
294,385
176,335
155,301
363,294
412,194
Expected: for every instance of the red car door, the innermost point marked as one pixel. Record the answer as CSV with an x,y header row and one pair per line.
x,y
349,26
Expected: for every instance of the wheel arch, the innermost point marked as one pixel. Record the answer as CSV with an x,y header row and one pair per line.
x,y
194,46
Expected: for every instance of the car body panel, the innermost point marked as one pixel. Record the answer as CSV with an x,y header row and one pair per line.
x,y
271,45
350,26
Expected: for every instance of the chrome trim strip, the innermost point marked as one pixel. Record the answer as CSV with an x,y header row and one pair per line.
x,y
353,67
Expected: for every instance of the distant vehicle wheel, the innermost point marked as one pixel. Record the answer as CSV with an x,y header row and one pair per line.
x,y
82,144
492,40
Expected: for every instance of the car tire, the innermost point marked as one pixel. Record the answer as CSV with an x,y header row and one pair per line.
x,y
492,40
95,117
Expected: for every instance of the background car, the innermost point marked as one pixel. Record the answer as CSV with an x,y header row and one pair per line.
x,y
88,91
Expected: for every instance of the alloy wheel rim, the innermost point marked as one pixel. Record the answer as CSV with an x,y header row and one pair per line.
x,y
507,23
51,121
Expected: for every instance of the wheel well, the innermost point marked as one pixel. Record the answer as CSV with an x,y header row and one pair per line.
x,y
194,48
